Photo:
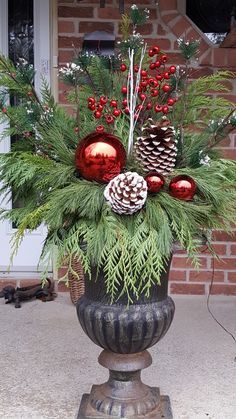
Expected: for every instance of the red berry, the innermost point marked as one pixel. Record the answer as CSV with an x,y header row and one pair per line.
x,y
156,49
91,100
97,114
139,108
149,106
166,88
151,52
153,83
99,108
103,100
123,67
164,58
157,64
116,112
109,119
113,103
100,129
172,69
124,90
152,66
170,101
165,109
158,108
154,92
159,77
92,107
144,83
142,96
126,110
136,68
166,75
144,73
124,102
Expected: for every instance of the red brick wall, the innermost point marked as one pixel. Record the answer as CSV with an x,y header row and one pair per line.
x,y
166,25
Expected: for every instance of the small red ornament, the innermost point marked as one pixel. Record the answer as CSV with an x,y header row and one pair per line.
x,y
124,102
158,108
76,129
159,77
142,96
149,106
30,93
144,83
155,182
136,68
126,110
182,187
99,107
4,110
124,90
123,67
100,157
92,106
166,75
157,64
144,73
153,82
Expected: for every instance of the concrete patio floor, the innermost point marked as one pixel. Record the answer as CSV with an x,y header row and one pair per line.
x,y
47,362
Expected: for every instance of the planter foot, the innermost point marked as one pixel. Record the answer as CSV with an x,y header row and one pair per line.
x,y
124,395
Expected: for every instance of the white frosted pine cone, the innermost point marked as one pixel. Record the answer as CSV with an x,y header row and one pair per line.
x,y
126,193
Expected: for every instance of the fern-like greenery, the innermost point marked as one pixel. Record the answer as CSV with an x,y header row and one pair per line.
x,y
133,250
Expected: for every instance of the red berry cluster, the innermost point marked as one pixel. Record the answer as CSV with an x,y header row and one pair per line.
x,y
153,86
103,107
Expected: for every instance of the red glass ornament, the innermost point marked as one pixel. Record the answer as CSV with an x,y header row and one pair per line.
x,y
155,182
166,75
144,83
144,73
142,96
100,107
182,187
100,157
152,82
124,102
157,64
123,67
136,68
126,110
92,107
124,90
149,106
159,77
151,53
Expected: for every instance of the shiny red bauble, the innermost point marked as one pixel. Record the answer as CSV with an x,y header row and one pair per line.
x,y
182,187
100,157
155,182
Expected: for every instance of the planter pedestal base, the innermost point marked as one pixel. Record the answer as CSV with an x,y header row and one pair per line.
x,y
124,395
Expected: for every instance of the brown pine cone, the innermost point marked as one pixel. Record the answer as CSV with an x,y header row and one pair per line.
x,y
156,150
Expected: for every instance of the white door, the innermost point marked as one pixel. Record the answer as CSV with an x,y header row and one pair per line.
x,y
26,20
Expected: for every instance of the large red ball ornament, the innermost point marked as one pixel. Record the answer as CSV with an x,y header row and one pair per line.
x,y
100,157
155,182
182,187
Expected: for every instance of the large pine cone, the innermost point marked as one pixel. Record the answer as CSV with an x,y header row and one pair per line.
x,y
156,150
126,193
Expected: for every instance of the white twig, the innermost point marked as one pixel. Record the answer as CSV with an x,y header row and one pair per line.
x,y
132,94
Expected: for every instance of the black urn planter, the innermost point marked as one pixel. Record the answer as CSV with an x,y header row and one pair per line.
x,y
125,332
